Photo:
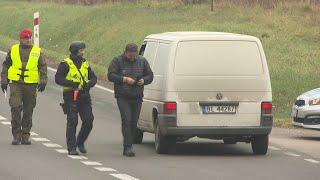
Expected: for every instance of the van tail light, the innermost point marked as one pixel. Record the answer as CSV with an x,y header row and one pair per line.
x,y
266,108
169,116
266,114
170,108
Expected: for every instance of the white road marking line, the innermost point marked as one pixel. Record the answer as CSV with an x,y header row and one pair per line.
x,y
5,123
62,151
104,88
292,154
41,139
2,118
105,169
123,177
91,163
34,134
52,69
77,157
52,145
312,161
274,148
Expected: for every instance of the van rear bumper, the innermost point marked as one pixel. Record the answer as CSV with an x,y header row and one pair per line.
x,y
168,126
216,131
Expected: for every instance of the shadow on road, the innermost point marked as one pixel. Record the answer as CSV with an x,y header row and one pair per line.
x,y
205,149
310,138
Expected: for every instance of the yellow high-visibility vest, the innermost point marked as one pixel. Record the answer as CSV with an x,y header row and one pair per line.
x,y
31,72
74,75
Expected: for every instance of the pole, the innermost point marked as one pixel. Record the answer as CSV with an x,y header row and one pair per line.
x,y
36,24
212,2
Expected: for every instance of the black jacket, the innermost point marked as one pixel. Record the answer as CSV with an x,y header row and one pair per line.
x,y
63,70
137,69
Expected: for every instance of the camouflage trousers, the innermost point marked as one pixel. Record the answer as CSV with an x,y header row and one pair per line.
x,y
22,102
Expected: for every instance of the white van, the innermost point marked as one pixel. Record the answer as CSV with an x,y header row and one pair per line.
x,y
207,85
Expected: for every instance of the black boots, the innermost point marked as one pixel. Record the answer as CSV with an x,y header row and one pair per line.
x,y
82,149
73,152
128,151
25,141
16,141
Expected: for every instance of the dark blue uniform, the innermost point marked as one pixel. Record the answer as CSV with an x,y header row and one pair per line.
x,y
81,106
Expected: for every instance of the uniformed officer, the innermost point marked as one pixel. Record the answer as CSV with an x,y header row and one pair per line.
x,y
76,77
25,70
130,73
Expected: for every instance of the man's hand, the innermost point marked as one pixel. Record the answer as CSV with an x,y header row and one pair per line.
x,y
4,87
129,80
141,82
41,87
87,87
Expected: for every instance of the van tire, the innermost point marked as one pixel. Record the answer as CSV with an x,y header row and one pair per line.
x,y
162,143
138,137
260,144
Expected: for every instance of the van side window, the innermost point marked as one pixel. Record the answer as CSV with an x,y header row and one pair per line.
x,y
150,51
162,59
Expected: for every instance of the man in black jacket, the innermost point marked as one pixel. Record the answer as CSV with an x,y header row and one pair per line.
x,y
129,72
76,77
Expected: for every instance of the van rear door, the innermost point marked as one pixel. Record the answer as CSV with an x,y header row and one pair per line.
x,y
220,83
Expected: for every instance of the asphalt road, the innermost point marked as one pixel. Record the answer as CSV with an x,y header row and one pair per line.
x,y
198,159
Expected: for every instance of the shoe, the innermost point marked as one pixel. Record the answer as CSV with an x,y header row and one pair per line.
x,y
128,152
73,152
25,141
16,141
82,149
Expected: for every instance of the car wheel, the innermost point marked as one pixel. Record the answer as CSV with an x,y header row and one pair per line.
x,y
138,137
162,143
260,144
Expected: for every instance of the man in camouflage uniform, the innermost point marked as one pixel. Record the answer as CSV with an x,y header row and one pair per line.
x,y
25,71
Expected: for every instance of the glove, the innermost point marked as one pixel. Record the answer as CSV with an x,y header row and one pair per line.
x,y
41,87
4,87
74,85
87,86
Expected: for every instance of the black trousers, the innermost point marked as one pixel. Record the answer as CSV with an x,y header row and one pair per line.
x,y
83,107
130,112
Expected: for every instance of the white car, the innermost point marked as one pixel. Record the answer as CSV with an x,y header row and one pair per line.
x,y
306,110
208,85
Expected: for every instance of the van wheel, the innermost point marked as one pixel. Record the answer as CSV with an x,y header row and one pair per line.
x,y
162,143
260,144
138,137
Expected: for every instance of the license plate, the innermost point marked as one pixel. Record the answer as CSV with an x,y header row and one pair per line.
x,y
219,109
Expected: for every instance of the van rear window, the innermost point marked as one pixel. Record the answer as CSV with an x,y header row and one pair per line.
x,y
218,58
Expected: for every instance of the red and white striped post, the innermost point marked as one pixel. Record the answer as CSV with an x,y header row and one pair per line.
x,y
36,30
